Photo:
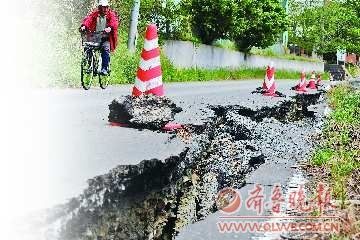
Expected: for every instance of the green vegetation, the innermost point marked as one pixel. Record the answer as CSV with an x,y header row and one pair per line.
x,y
249,23
270,53
171,16
339,238
326,28
176,20
353,70
225,43
339,151
172,74
267,52
258,23
125,64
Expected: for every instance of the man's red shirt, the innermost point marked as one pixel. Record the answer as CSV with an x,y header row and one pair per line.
x,y
111,21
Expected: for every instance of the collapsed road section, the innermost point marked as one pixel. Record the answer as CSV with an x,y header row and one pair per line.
x,y
155,199
146,111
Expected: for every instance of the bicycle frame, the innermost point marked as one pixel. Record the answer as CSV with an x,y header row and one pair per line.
x,y
92,56
94,46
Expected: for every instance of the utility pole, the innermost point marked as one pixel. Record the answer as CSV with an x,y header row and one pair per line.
x,y
133,26
285,35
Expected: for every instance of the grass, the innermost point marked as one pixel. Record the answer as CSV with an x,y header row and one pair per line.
x,y
353,70
339,150
228,44
225,43
270,53
124,67
322,156
339,238
172,74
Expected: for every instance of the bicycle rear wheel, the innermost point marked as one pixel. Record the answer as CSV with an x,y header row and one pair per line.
x,y
87,71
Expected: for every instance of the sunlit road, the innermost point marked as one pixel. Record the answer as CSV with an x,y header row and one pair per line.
x,y
82,145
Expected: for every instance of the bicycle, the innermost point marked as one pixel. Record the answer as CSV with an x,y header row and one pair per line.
x,y
91,60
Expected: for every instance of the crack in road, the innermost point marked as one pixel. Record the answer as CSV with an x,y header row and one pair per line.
x,y
156,199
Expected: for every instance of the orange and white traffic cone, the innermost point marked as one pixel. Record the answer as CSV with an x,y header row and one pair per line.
x,y
149,75
301,87
269,81
312,84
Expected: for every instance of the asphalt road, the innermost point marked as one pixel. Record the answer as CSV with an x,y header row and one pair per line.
x,y
76,143
67,140
81,144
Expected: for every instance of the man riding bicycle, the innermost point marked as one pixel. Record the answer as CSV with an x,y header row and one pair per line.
x,y
103,19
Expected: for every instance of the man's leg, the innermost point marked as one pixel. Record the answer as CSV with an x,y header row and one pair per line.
x,y
105,55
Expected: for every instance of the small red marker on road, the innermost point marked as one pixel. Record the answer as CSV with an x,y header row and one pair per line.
x,y
172,126
114,124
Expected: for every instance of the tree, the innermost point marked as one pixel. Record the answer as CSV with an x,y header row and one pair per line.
x,y
355,5
257,23
301,29
327,28
211,20
250,23
168,15
172,20
123,9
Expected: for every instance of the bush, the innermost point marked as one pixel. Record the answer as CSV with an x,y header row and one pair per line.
x,y
124,64
354,70
250,23
322,156
170,16
62,61
258,23
268,52
339,150
211,20
225,43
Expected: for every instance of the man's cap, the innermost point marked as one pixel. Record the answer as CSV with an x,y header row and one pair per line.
x,y
104,3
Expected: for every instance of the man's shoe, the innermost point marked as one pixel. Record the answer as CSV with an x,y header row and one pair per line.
x,y
104,72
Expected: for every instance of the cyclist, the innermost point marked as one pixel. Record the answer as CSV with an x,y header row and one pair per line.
x,y
103,19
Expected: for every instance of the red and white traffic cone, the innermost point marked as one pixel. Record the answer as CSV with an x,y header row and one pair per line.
x,y
149,75
312,84
301,87
269,81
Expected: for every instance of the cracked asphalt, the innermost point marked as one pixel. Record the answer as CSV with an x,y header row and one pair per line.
x,y
83,145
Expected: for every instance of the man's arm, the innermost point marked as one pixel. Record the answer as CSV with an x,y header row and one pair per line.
x,y
87,20
113,22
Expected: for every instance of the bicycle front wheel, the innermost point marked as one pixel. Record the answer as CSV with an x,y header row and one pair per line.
x,y
104,80
87,72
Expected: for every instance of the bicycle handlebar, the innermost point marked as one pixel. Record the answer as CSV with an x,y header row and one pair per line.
x,y
96,32
97,36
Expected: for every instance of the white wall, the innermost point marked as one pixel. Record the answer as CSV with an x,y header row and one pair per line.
x,y
187,55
